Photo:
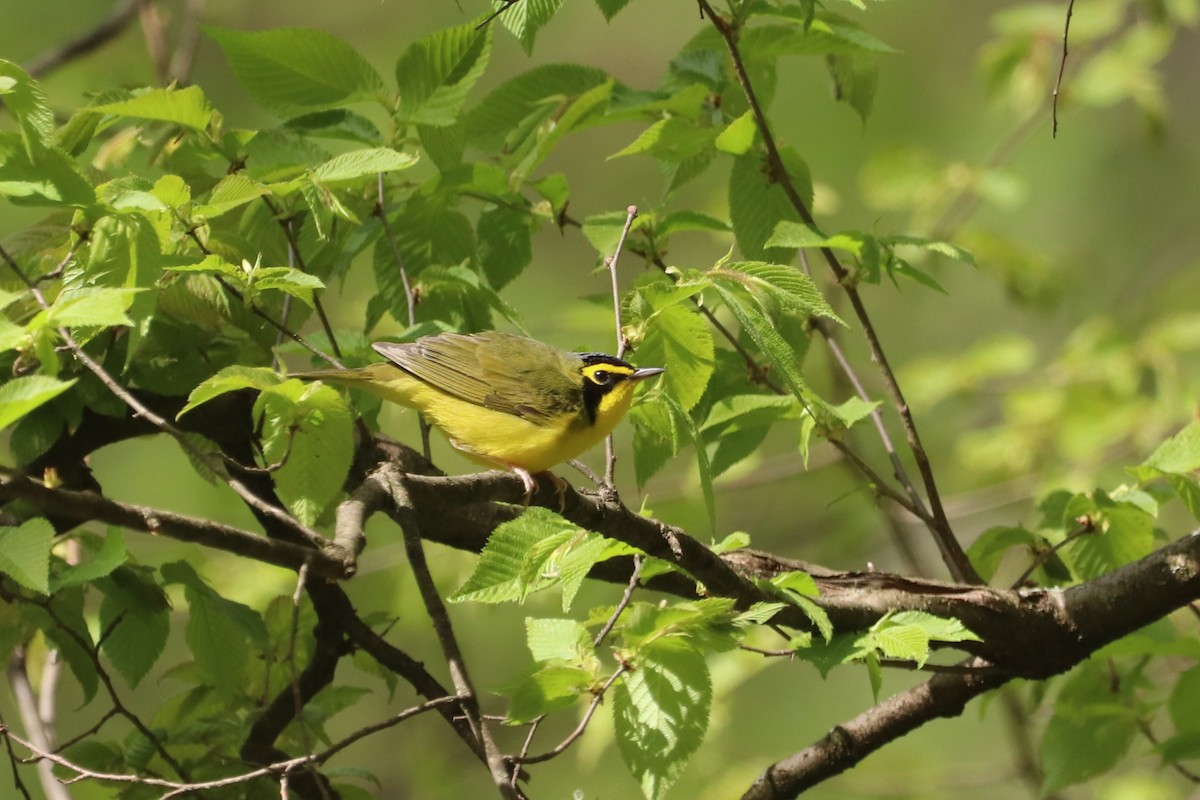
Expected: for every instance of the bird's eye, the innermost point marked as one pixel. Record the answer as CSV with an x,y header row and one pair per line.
x,y
602,376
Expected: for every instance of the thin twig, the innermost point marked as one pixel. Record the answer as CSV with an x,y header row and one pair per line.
x,y
1062,65
121,15
610,452
1045,555
188,41
488,19
622,605
35,726
444,629
13,762
297,693
952,553
242,491
583,723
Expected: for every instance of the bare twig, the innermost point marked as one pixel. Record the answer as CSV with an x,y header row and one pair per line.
x,y
583,723
622,605
1062,65
188,41
440,618
14,764
951,551
507,4
119,18
610,453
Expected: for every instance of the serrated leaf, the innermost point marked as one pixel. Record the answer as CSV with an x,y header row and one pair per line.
x,y
24,98
219,631
228,380
738,136
680,340
499,115
110,555
855,78
232,191
660,715
1125,534
186,106
757,204
296,70
500,574
436,72
25,553
788,286
989,549
549,689
1088,735
526,18
768,340
1180,454
21,395
505,247
358,163
138,624
610,8
309,428
297,283
39,175
558,640
99,306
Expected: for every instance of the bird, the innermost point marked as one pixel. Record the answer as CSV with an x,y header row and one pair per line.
x,y
502,400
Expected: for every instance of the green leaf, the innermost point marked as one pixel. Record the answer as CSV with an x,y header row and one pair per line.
x,y
987,551
1189,492
232,191
21,395
1180,454
136,616
610,8
100,306
549,689
505,247
357,163
309,428
297,283
787,286
25,553
528,554
757,204
28,104
110,555
1184,700
1124,534
660,715
39,175
738,136
186,106
526,18
781,355
855,78
231,379
436,73
672,140
68,632
558,640
219,631
539,92
297,70
1090,732
679,339
907,642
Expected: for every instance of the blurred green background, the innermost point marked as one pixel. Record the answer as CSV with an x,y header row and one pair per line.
x,y
1099,226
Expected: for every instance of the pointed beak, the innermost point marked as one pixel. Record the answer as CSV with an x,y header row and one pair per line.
x,y
646,372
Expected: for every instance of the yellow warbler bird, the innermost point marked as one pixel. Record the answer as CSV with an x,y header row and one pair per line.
x,y
503,400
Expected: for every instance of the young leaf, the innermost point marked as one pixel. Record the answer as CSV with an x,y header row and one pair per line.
x,y
136,617
525,19
357,163
100,306
25,553
110,555
296,70
231,379
756,206
501,574
678,338
855,78
1090,730
1180,454
186,106
21,395
218,630
559,640
309,429
660,714
24,98
436,73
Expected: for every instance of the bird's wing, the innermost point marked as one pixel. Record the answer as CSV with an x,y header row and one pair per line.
x,y
499,371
